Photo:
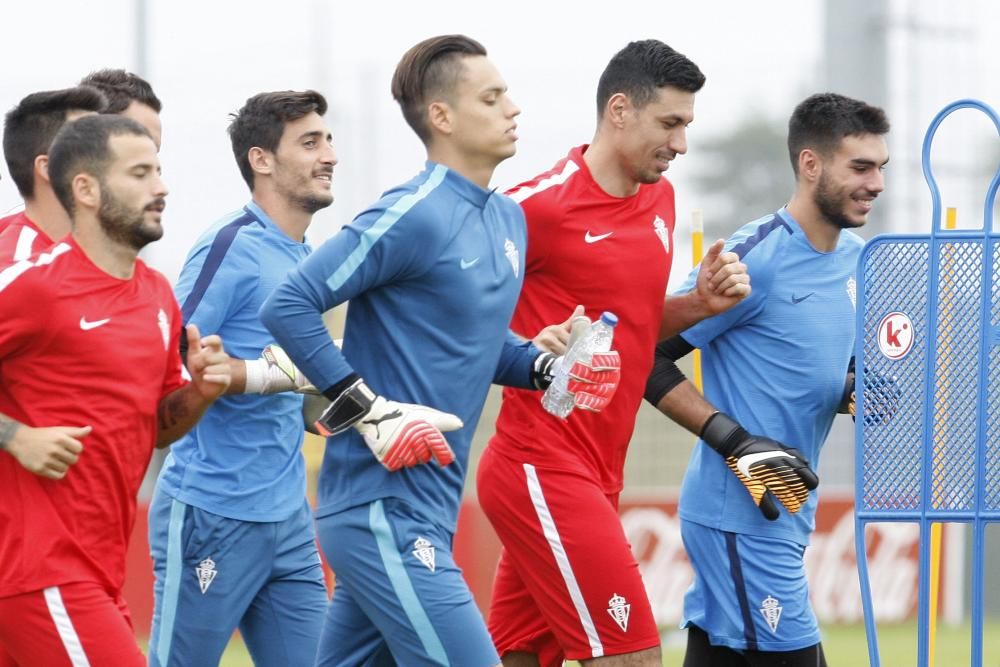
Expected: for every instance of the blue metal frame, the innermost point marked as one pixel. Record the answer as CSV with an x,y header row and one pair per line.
x,y
925,514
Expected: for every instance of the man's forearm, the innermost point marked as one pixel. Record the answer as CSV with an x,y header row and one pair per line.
x,y
179,411
685,405
681,312
238,376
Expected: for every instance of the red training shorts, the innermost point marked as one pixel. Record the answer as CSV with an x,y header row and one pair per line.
x,y
567,586
72,625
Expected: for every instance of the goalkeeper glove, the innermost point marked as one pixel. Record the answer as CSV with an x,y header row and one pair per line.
x,y
882,396
399,434
593,383
274,372
767,468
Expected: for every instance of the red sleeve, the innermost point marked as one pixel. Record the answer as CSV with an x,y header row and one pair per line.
x,y
176,375
25,298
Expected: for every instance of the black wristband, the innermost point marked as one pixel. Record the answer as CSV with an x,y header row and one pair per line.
x,y
349,407
722,433
542,370
334,392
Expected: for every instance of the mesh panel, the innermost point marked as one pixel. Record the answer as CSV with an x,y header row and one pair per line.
x,y
991,478
956,376
942,370
896,279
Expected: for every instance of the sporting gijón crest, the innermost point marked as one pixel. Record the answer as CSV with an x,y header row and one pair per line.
x,y
423,550
206,574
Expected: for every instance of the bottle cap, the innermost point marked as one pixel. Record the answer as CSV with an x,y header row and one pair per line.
x,y
609,318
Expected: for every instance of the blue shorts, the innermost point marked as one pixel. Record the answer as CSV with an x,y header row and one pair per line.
x,y
748,592
399,597
214,574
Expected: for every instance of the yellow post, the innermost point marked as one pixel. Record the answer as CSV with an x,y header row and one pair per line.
x,y
950,222
697,250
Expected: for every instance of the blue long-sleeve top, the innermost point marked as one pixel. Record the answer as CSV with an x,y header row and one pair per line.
x,y
432,271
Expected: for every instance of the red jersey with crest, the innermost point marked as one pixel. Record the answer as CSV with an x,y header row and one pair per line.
x,y
79,347
605,253
20,238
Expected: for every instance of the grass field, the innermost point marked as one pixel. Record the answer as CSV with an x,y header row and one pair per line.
x,y
845,646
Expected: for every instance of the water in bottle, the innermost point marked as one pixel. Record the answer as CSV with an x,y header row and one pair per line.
x,y
557,399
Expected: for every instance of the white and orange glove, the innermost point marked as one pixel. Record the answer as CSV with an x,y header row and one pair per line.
x,y
400,435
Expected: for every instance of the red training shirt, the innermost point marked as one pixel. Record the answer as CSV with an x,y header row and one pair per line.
x,y
79,347
606,253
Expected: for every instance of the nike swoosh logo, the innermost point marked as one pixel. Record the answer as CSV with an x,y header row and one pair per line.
x,y
800,299
744,462
87,326
468,264
594,239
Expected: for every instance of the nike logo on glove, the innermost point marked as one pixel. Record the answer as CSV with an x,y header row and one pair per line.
x,y
745,462
594,239
87,326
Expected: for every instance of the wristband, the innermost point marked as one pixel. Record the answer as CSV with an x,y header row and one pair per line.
x,y
7,431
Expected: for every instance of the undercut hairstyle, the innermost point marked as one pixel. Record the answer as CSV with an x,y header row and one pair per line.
x,y
641,69
261,122
820,122
430,71
122,88
30,127
84,147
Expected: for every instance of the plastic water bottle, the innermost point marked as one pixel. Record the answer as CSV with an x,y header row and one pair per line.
x,y
557,399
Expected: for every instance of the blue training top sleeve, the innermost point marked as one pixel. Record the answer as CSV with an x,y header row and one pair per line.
x,y
516,359
213,285
371,251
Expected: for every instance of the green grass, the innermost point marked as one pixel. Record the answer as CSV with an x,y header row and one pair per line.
x,y
845,646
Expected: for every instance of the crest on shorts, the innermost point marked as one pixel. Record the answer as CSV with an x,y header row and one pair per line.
x,y
424,551
206,574
513,255
660,227
771,609
619,609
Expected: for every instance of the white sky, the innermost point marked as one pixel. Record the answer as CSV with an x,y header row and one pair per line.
x,y
205,58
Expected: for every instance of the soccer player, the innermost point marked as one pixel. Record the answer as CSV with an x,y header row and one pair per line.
x,y
774,365
432,271
231,531
131,96
28,130
90,381
599,228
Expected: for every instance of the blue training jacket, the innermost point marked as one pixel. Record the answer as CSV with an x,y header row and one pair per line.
x,y
432,271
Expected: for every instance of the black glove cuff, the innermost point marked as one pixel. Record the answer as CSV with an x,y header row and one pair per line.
x,y
722,433
347,409
542,371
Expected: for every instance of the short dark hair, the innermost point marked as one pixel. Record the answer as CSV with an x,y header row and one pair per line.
x,y
642,68
84,146
261,122
429,70
122,88
821,121
30,126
